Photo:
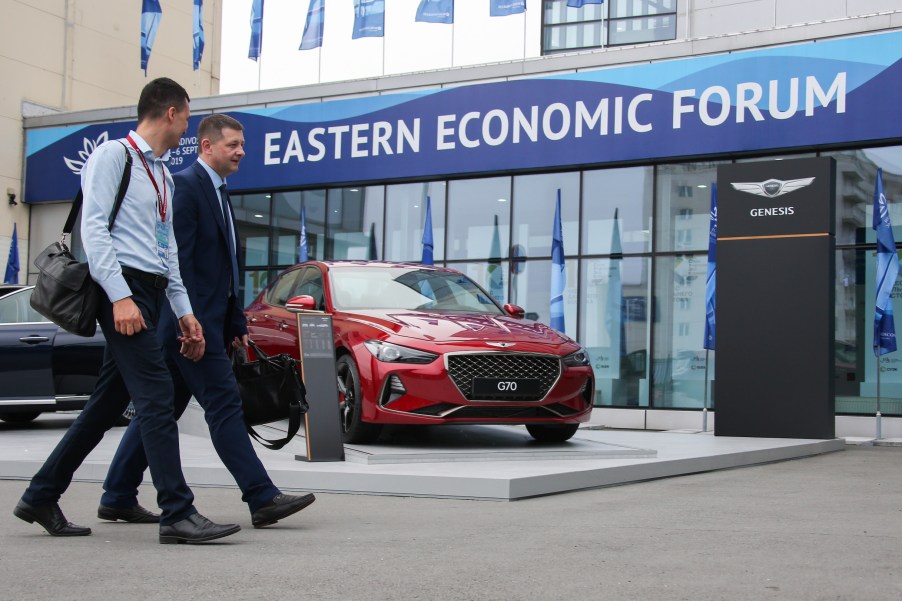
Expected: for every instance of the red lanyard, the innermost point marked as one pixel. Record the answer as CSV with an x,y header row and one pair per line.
x,y
161,199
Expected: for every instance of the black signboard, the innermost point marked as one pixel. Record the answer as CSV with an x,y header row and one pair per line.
x,y
322,420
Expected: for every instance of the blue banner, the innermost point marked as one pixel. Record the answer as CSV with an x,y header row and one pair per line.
x,y
372,252
825,93
581,3
313,28
613,318
256,43
711,281
503,8
436,11
887,272
151,13
303,255
12,262
428,241
558,270
496,275
369,19
198,32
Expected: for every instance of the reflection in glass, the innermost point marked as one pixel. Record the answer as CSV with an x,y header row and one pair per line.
x,y
678,365
252,215
473,204
531,289
614,329
405,215
627,192
355,223
684,203
287,225
535,197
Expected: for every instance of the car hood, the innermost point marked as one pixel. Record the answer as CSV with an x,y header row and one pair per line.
x,y
458,327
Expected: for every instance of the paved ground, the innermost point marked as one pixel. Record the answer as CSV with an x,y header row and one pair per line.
x,y
825,527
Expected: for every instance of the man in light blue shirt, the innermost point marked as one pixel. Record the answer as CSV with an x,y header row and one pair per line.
x,y
135,262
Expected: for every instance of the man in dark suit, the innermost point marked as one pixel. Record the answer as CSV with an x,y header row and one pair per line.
x,y
205,230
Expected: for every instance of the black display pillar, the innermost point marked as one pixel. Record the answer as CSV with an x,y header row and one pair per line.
x,y
776,265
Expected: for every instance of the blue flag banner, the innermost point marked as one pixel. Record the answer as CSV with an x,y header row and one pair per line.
x,y
302,241
581,3
436,11
887,272
198,32
12,263
711,281
503,8
372,252
496,277
613,318
369,19
428,243
253,50
151,13
313,28
558,271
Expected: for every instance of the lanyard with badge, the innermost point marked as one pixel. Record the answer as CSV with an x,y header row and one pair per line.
x,y
162,230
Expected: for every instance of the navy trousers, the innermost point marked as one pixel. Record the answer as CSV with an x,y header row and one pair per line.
x,y
213,384
133,368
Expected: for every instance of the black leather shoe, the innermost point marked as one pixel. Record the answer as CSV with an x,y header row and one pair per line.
x,y
133,515
51,517
195,529
281,507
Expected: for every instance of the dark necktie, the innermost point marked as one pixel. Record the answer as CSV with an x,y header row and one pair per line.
x,y
230,236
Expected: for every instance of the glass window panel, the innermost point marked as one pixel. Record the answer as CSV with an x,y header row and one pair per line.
x,y
614,328
625,192
645,29
355,232
684,206
252,216
678,365
492,276
405,215
531,289
287,225
535,199
473,205
255,280
638,8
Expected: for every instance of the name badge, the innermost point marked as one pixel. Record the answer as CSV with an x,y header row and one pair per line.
x,y
163,240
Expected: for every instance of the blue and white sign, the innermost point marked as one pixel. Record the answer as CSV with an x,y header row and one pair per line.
x,y
803,95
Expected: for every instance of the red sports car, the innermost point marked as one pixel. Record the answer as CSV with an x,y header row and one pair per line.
x,y
426,345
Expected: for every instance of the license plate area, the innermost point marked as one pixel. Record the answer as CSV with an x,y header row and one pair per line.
x,y
503,388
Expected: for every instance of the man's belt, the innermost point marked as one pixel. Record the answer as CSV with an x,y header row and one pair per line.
x,y
151,279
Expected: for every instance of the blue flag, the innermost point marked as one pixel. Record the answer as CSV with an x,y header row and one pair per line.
x,y
503,8
711,281
614,306
198,32
302,242
372,252
12,263
436,11
558,271
369,19
581,3
496,277
887,272
253,50
151,13
313,28
427,235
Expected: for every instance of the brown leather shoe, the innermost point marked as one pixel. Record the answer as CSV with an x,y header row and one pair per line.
x,y
280,507
51,517
132,515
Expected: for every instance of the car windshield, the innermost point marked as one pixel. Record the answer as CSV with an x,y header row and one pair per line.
x,y
407,289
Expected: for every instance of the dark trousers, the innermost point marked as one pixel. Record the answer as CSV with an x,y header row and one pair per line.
x,y
212,383
133,368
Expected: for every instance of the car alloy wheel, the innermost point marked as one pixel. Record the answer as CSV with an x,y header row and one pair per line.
x,y
355,430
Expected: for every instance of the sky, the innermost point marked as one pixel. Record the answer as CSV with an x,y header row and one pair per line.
x,y
408,46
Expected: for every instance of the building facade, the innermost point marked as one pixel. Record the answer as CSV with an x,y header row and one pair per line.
x,y
629,138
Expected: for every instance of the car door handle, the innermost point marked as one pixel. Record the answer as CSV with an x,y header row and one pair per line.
x,y
252,320
283,325
33,339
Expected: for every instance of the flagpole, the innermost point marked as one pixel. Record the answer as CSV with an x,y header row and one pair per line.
x,y
705,406
877,423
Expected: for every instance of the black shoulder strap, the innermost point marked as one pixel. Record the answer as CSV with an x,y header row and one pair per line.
x,y
120,195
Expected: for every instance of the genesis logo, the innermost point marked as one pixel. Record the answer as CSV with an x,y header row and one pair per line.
x,y
501,344
773,187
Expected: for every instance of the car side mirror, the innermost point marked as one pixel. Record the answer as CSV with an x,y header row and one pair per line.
x,y
515,310
303,302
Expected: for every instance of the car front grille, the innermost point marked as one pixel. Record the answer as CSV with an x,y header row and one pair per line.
x,y
464,367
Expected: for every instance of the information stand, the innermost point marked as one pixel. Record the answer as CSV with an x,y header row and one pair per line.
x,y
322,422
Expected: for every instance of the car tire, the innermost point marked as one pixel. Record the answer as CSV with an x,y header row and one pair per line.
x,y
552,432
354,429
126,418
20,418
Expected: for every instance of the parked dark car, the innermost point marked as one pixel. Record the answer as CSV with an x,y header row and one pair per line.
x,y
422,345
43,368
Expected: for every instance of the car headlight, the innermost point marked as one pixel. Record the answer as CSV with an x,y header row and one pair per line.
x,y
395,353
578,359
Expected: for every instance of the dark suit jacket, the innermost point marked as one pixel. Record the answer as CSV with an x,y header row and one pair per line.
x,y
204,259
